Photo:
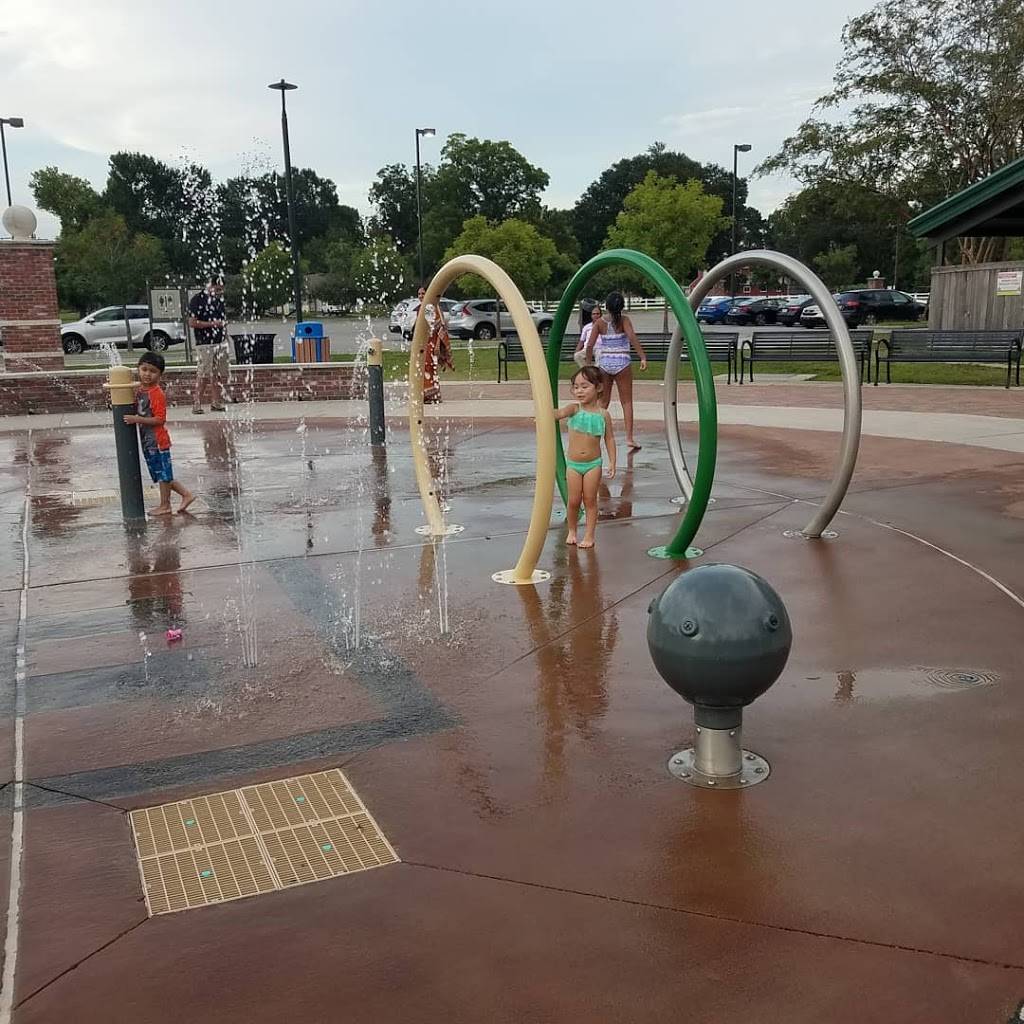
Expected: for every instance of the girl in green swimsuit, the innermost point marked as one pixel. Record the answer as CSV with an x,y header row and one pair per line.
x,y
588,423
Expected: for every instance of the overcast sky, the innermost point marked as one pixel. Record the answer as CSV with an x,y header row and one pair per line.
x,y
572,85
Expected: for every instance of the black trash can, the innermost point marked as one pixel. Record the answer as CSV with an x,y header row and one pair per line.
x,y
254,348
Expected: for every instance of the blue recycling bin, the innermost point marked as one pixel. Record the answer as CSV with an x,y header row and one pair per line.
x,y
309,343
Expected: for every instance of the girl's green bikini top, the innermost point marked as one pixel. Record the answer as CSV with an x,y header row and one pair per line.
x,y
587,422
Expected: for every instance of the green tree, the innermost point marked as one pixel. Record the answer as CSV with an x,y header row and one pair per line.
x,y
837,266
380,273
105,263
72,200
517,247
828,213
931,97
600,204
475,177
672,223
267,280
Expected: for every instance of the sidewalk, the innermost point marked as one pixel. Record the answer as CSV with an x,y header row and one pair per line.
x,y
986,417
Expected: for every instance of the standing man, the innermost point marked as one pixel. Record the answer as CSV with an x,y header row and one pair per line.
x,y
208,321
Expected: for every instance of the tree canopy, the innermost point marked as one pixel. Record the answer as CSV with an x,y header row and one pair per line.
x,y
516,246
597,208
930,98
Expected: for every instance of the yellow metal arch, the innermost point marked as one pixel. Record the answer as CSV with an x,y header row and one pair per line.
x,y
525,570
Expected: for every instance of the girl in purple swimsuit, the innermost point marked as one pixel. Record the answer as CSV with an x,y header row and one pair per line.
x,y
617,337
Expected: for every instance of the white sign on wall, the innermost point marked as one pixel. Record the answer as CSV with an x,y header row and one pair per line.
x,y
165,303
1008,282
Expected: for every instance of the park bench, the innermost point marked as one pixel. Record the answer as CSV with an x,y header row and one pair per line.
x,y
802,346
922,346
721,347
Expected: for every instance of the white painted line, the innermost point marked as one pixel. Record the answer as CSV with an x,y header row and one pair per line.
x,y
18,818
949,554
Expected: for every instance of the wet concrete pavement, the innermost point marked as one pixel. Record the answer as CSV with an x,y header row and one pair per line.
x,y
512,742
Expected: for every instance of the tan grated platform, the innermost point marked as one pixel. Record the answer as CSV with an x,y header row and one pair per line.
x,y
243,842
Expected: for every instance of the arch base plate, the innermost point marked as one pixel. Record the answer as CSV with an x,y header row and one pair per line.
x,y
449,531
663,552
508,576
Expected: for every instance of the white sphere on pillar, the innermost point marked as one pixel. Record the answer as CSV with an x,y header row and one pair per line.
x,y
20,223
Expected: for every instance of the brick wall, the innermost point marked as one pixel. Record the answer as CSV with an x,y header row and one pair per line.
x,y
29,317
82,390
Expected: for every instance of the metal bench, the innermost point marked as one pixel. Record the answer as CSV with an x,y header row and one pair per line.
x,y
922,346
802,346
721,347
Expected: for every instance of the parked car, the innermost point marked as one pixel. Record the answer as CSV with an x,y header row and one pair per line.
x,y
876,305
753,311
408,323
789,314
478,318
107,326
811,316
398,314
714,308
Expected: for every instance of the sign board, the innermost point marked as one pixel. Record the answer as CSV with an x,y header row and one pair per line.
x,y
165,303
1008,282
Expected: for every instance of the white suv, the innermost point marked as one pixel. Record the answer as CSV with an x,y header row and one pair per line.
x,y
478,318
107,326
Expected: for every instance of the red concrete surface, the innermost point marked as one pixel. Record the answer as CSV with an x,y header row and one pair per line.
x,y
553,870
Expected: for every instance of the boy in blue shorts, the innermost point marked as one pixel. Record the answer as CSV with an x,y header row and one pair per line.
x,y
156,442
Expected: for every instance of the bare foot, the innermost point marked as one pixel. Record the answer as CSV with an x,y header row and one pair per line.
x,y
186,501
587,542
633,446
161,510
571,538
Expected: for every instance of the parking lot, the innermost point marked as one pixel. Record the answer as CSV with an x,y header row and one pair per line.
x,y
348,333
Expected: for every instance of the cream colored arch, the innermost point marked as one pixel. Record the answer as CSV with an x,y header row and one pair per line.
x,y
525,570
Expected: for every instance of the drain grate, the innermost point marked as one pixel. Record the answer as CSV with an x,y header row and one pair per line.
x,y
960,679
242,842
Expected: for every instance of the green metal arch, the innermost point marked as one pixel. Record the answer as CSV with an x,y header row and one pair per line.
x,y
706,406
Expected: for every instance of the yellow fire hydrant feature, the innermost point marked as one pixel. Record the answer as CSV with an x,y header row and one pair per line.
x,y
120,385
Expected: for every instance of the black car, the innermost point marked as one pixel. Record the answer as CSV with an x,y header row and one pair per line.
x,y
877,305
789,314
753,311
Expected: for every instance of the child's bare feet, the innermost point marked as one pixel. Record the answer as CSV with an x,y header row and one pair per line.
x,y
570,537
587,542
186,500
161,510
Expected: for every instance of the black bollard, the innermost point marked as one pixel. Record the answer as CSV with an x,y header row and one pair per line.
x,y
375,390
720,636
126,440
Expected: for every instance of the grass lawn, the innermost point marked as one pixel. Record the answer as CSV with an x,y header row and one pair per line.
x,y
484,367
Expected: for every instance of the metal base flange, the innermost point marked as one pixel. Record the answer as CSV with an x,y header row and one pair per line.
x,y
682,499
449,531
508,576
663,552
825,535
755,769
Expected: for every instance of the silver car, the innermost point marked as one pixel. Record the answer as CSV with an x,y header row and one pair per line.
x,y
408,320
398,315
107,326
478,318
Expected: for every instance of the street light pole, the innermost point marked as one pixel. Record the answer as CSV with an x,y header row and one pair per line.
x,y
736,150
419,203
284,87
14,122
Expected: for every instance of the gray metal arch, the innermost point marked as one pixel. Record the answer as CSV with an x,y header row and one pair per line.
x,y
847,364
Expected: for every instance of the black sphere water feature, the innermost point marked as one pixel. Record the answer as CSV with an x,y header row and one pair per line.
x,y
720,636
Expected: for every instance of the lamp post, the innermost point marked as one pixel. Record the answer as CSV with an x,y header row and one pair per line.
x,y
736,150
425,132
14,122
284,87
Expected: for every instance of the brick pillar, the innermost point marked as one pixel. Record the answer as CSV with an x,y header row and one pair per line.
x,y
29,314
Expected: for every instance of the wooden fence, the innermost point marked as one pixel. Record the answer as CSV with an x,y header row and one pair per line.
x,y
964,298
